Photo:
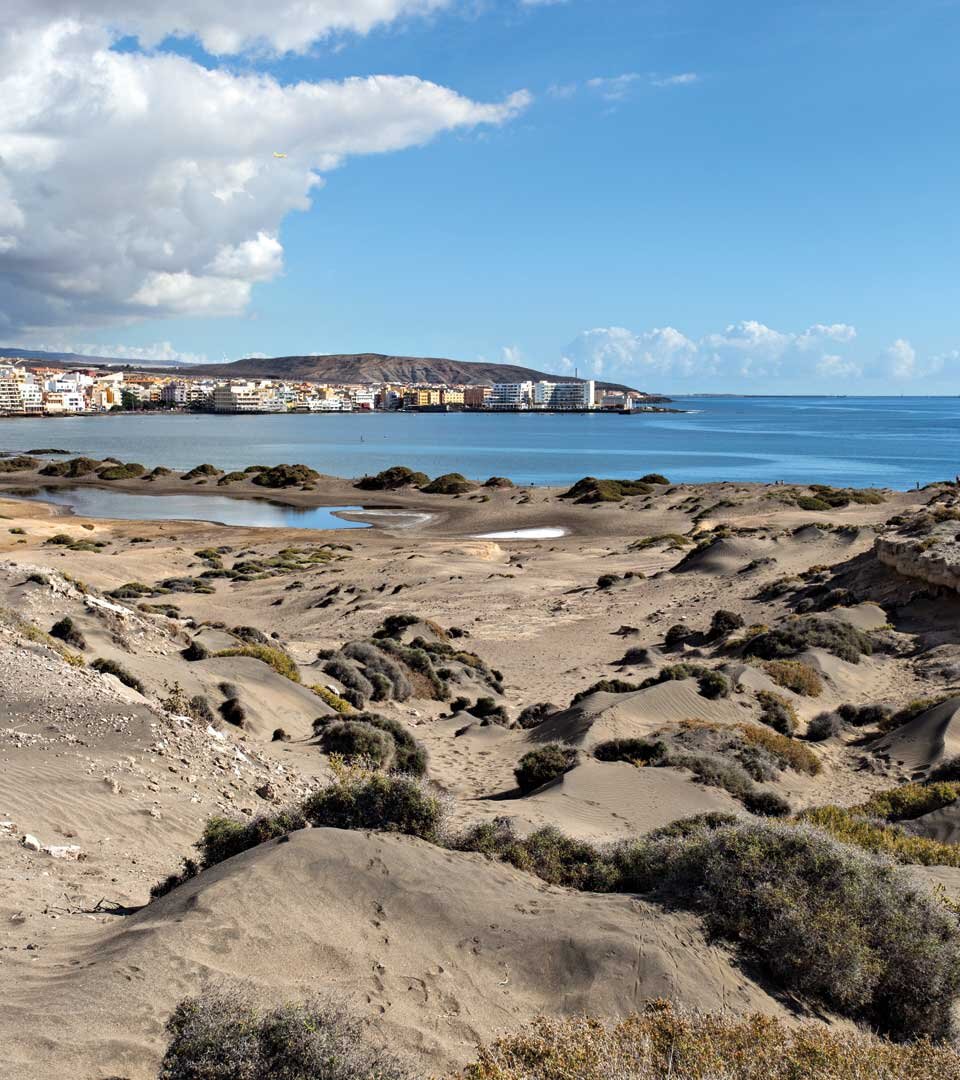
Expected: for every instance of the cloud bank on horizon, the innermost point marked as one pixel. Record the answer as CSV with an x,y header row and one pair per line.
x,y
139,185
742,352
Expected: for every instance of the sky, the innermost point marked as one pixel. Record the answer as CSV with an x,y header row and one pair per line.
x,y
684,195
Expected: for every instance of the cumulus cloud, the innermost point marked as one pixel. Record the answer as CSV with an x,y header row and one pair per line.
x,y
224,26
161,352
747,349
145,185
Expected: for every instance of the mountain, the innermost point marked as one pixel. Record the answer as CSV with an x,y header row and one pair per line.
x,y
72,359
380,368
335,368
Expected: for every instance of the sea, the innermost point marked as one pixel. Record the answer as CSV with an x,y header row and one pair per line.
x,y
895,442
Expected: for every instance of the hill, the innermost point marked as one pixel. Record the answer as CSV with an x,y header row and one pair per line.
x,y
335,368
381,368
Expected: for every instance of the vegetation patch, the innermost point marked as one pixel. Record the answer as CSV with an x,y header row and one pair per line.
x,y
776,712
223,1036
662,1043
18,463
201,472
281,663
795,675
592,490
130,471
67,631
284,476
839,638
449,484
392,479
111,667
545,763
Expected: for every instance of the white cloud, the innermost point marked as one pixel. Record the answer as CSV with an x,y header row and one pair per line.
x,y
686,78
224,26
615,87
744,350
901,359
511,354
145,185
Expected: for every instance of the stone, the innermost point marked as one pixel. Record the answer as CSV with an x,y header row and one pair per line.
x,y
31,843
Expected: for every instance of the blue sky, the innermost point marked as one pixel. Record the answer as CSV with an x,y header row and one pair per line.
x,y
688,196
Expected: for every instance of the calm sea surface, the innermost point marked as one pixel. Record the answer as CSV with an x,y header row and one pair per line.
x,y
892,442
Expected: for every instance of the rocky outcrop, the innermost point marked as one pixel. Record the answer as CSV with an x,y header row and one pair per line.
x,y
925,552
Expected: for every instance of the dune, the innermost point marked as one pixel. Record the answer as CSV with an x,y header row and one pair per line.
x,y
598,800
930,738
434,949
603,716
725,557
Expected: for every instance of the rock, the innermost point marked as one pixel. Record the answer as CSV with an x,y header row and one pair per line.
x,y
68,851
266,791
31,843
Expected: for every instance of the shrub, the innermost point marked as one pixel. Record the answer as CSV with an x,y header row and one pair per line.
x,y
724,623
795,675
839,926
711,684
349,676
676,542
199,708
353,739
279,735
911,711
394,625
664,1042
111,667
788,753
283,476
777,712
196,650
199,471
824,726
766,804
281,663
448,484
359,799
606,581
222,1036
222,838
130,471
377,663
67,631
251,635
948,770
335,701
534,715
409,755
18,463
233,712
391,479
606,686
498,482
636,655
592,490
545,763
863,715
634,751
839,638
486,709
653,478
677,635
850,827
909,801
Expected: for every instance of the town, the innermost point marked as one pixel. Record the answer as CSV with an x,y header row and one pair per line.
x,y
29,389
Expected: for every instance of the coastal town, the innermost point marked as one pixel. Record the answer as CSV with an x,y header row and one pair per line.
x,y
31,389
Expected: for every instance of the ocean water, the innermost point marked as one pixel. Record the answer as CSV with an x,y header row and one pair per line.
x,y
882,442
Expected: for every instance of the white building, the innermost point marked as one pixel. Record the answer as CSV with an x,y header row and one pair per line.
x,y
174,393
564,395
510,396
237,397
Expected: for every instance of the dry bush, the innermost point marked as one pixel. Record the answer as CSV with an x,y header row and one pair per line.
x,y
663,1043
795,675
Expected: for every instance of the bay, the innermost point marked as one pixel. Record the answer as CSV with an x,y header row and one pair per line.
x,y
888,442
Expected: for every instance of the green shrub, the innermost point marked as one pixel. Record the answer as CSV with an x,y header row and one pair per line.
x,y
839,638
776,712
67,631
634,751
909,801
592,490
130,471
838,926
534,715
196,650
111,667
676,635
711,684
606,686
337,703
281,663
545,763
911,711
795,675
724,623
283,476
353,739
398,476
363,800
863,715
448,484
824,726
201,471
498,482
349,676
851,827
222,1036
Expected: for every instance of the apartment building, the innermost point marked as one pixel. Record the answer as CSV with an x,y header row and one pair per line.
x,y
510,396
564,395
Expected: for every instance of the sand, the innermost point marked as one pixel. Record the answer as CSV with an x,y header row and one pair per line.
x,y
436,950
